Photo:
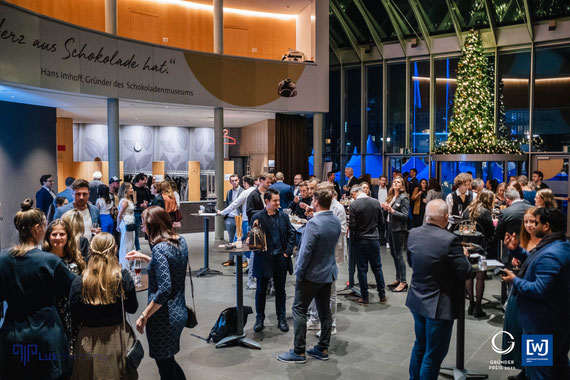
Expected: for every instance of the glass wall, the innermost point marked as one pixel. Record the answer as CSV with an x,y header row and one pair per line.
x,y
352,131
374,109
396,134
514,72
331,134
551,99
419,118
445,86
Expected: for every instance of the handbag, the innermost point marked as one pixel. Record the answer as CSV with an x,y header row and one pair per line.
x,y
256,238
130,227
192,321
135,353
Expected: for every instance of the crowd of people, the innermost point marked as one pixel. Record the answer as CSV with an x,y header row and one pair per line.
x,y
70,297
68,286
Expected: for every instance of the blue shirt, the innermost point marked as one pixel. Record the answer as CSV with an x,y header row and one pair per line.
x,y
67,193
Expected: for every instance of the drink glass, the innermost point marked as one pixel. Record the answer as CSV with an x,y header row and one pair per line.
x,y
137,267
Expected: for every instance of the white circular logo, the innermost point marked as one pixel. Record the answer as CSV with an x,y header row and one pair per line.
x,y
508,349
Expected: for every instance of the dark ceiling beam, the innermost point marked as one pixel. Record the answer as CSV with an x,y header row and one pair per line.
x,y
351,38
452,6
492,25
334,47
528,20
373,32
394,20
421,22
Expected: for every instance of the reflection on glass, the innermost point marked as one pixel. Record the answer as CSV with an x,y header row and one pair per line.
x,y
419,120
331,134
352,131
551,100
374,109
445,86
396,136
514,71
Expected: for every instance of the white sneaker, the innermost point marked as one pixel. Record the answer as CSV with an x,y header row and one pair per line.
x,y
313,325
251,284
387,246
333,332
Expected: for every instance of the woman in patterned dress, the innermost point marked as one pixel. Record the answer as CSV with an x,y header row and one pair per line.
x,y
165,315
59,241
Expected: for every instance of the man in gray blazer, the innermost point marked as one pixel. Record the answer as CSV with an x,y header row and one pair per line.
x,y
440,268
315,270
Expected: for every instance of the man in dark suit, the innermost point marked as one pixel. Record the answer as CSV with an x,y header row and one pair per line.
x,y
330,179
352,180
275,261
439,272
315,270
542,288
303,197
285,193
45,196
511,218
365,222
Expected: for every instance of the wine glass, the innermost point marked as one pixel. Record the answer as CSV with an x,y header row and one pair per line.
x,y
460,209
137,266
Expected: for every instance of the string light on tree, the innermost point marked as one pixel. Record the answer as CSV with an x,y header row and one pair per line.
x,y
472,128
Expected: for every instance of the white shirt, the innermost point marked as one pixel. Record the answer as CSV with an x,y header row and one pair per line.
x,y
449,201
88,223
338,210
240,201
382,194
103,206
234,197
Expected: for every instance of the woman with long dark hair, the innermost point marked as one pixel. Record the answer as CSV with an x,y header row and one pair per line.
x,y
97,300
105,205
165,315
397,207
30,281
61,243
419,209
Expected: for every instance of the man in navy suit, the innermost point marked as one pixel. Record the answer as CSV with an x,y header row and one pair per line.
x,y
285,193
440,269
543,290
45,196
315,270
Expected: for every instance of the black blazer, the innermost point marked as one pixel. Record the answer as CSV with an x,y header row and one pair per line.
x,y
511,220
439,268
399,219
352,182
254,204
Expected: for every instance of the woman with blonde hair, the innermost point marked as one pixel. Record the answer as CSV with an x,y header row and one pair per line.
x,y
397,207
97,300
74,220
480,212
500,199
61,243
545,198
30,281
126,221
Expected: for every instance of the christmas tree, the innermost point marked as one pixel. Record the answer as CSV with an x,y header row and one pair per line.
x,y
472,128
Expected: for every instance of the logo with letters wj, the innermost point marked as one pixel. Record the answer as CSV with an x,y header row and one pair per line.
x,y
537,350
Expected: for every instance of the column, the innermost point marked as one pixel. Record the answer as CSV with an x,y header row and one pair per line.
x,y
432,139
407,112
363,129
111,16
318,126
342,124
219,123
113,136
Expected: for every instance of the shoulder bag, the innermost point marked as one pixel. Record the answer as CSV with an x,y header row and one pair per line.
x,y
134,354
192,321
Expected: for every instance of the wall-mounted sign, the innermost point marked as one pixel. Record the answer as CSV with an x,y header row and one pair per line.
x,y
40,52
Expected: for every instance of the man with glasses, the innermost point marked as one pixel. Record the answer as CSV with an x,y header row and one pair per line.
x,y
543,291
45,196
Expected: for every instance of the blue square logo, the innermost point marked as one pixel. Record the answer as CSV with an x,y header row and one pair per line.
x,y
537,350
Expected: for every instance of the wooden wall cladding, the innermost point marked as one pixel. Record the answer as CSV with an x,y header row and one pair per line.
x,y
176,25
258,142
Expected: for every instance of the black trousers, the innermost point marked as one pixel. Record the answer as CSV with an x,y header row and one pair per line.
x,y
280,268
305,291
168,369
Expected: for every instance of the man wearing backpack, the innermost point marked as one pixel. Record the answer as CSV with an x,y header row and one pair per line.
x,y
275,261
315,270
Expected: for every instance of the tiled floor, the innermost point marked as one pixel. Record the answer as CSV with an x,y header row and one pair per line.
x,y
372,342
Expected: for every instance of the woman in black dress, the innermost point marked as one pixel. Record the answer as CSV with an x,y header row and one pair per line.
x,y
480,211
165,316
58,241
30,281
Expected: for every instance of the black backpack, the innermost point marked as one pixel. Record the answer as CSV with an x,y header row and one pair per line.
x,y
226,324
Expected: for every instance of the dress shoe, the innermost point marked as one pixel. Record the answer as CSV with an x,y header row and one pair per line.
x,y
404,289
283,326
362,301
393,285
479,313
258,327
383,300
229,263
471,308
